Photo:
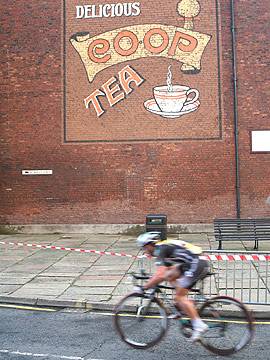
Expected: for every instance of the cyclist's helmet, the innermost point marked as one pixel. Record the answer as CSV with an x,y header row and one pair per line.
x,y
148,238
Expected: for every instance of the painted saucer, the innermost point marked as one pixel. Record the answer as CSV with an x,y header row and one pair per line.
x,y
152,106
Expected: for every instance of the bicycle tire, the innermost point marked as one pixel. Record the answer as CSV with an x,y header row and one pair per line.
x,y
140,321
228,319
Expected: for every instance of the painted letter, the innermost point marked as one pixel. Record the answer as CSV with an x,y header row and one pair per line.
x,y
128,75
119,9
156,49
103,47
79,12
93,98
177,42
136,7
106,8
110,91
87,9
127,9
113,10
134,43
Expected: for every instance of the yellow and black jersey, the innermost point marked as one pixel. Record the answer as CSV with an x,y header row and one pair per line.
x,y
171,252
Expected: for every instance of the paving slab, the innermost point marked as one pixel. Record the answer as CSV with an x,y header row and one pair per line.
x,y
43,279
87,290
62,273
29,290
7,289
106,273
21,269
90,282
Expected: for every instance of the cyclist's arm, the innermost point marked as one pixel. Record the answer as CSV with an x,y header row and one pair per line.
x,y
157,278
162,252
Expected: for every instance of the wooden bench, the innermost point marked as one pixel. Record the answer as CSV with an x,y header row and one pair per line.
x,y
241,230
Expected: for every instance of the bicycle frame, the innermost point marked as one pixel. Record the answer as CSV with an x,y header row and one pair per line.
x,y
175,312
196,292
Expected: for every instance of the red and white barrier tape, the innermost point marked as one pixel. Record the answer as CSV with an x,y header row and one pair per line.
x,y
236,257
211,257
68,249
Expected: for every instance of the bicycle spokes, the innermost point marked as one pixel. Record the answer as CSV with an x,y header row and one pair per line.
x,y
230,327
141,321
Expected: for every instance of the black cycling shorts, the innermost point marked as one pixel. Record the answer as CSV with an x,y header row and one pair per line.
x,y
189,278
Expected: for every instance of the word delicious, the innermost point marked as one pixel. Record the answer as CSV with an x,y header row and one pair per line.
x,y
113,91
107,10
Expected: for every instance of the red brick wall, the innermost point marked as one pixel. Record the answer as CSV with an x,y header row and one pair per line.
x,y
192,181
253,29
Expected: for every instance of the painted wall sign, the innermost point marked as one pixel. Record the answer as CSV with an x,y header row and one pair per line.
x,y
140,41
131,79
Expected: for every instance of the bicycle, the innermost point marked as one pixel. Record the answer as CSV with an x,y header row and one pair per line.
x,y
141,320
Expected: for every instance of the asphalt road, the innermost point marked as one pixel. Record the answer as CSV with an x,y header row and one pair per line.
x,y
70,335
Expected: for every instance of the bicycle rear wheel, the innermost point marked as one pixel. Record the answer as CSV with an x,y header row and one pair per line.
x,y
140,321
230,325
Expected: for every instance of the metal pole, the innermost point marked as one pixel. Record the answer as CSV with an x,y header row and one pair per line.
x,y
234,61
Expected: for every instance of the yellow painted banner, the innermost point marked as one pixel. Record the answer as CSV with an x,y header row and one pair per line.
x,y
139,41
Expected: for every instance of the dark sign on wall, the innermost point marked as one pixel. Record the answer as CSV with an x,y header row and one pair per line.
x,y
141,71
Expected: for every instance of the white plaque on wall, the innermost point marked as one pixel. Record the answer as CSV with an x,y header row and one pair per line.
x,y
260,141
37,172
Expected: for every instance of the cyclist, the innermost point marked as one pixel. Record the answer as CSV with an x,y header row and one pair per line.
x,y
179,263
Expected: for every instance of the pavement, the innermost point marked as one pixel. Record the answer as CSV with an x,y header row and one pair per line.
x,y
61,278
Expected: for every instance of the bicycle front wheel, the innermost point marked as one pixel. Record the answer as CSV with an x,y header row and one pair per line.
x,y
230,325
140,321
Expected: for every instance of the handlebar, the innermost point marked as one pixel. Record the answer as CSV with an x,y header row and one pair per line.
x,y
146,277
140,277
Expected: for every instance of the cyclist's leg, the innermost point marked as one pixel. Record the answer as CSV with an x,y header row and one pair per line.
x,y
199,327
185,303
174,275
184,282
198,269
